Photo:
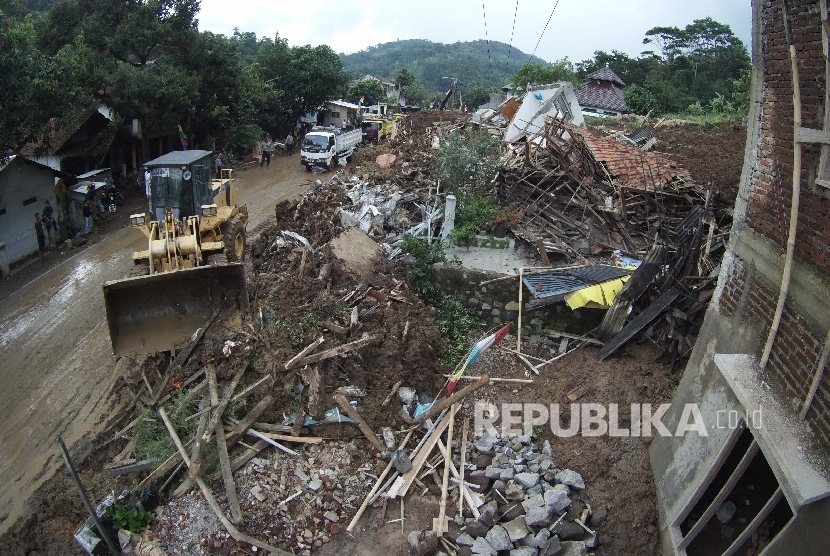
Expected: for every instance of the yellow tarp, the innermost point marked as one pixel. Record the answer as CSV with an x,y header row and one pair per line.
x,y
599,296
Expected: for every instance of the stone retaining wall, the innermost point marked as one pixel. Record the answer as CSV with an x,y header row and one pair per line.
x,y
497,303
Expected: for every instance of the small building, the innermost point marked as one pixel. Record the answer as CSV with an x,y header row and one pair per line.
x,y
25,186
92,140
602,94
555,99
335,112
389,88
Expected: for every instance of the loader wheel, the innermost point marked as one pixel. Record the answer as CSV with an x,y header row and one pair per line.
x,y
233,235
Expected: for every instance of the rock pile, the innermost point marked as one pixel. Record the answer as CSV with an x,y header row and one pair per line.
x,y
529,511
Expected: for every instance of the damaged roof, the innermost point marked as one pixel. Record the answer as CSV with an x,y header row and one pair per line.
x,y
606,74
627,165
596,96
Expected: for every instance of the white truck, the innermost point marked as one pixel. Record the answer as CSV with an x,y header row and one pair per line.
x,y
322,146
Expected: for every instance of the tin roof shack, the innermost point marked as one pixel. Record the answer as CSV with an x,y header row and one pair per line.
x,y
338,111
76,194
602,94
25,186
555,100
758,481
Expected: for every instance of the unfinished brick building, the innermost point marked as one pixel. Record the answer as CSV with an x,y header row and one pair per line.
x,y
758,482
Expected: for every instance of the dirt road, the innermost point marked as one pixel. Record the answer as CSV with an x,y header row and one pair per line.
x,y
56,365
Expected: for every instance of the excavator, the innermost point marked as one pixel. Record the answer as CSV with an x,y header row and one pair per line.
x,y
192,265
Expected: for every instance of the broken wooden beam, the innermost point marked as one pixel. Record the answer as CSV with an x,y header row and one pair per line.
x,y
239,429
222,447
216,418
130,466
367,431
438,408
305,351
339,350
181,358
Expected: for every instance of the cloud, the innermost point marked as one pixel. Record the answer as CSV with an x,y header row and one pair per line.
x,y
576,30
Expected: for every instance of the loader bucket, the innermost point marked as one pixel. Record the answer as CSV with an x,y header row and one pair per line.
x,y
160,312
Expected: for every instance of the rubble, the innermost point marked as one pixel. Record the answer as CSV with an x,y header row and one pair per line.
x,y
537,520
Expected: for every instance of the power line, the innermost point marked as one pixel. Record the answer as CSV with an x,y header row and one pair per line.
x,y
543,30
510,48
489,63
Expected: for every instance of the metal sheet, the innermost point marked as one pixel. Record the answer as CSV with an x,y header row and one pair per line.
x,y
566,280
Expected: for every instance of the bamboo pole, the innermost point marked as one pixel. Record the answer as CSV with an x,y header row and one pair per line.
x,y
442,512
796,195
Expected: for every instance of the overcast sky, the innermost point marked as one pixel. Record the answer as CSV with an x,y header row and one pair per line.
x,y
576,30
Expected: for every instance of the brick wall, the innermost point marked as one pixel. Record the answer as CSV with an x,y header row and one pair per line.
x,y
769,206
797,345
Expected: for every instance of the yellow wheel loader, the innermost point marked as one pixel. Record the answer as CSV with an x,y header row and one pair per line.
x,y
193,262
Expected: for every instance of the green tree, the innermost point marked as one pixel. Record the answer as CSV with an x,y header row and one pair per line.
x,y
537,74
641,101
370,89
35,87
475,95
415,94
404,78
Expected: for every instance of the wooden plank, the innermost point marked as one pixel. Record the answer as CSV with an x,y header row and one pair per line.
x,y
375,488
216,418
166,466
392,392
438,408
287,438
806,135
132,467
264,381
339,350
222,447
367,431
243,425
442,512
578,392
465,429
305,351
405,481
234,532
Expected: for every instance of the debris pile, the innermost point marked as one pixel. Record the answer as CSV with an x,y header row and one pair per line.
x,y
526,504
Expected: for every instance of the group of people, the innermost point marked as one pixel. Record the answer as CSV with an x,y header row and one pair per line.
x,y
267,147
46,228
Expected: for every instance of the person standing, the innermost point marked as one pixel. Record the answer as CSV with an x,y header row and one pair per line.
x,y
87,212
267,145
217,164
41,238
50,225
289,144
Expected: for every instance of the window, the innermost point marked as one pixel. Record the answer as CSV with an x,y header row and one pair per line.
x,y
738,506
335,114
30,201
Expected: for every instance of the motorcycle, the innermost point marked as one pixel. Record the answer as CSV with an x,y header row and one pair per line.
x,y
112,198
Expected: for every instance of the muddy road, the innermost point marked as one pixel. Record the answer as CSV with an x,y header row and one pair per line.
x,y
56,364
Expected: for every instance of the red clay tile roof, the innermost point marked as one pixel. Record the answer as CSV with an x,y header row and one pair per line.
x,y
629,166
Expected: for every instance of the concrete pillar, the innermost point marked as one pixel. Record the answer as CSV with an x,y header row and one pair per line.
x,y
449,217
4,262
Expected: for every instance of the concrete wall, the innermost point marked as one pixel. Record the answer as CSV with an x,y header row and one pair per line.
x,y
20,181
497,303
742,308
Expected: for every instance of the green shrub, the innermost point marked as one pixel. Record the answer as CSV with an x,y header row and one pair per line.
x,y
134,520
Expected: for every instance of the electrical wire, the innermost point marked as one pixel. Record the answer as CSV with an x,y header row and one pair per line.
x,y
510,48
489,62
543,30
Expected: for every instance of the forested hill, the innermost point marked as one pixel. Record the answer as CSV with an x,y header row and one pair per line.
x,y
430,61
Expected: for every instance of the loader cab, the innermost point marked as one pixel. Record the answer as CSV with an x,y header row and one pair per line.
x,y
179,180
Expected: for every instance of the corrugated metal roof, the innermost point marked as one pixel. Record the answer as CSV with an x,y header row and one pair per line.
x,y
565,280
177,158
